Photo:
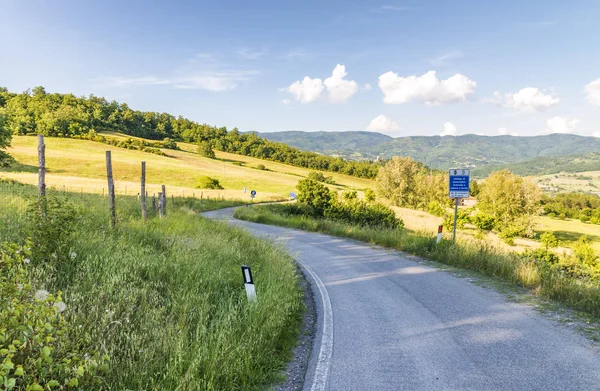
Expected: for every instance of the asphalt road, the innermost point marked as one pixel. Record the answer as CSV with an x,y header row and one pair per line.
x,y
389,323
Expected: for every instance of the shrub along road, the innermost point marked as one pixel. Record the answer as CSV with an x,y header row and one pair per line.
x,y
389,323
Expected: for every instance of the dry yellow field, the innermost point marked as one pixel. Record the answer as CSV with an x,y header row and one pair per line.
x,y
79,165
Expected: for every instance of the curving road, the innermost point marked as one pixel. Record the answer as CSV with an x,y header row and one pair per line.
x,y
389,323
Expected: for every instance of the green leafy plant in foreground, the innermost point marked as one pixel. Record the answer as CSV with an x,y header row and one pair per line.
x,y
35,352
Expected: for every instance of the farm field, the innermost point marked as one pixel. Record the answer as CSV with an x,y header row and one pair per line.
x,y
585,182
79,166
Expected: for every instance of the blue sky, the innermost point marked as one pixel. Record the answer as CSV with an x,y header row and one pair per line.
x,y
502,67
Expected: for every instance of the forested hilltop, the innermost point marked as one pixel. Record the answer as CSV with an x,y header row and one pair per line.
x,y
65,115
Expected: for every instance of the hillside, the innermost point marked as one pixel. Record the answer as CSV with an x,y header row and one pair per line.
x,y
79,165
547,165
444,152
332,143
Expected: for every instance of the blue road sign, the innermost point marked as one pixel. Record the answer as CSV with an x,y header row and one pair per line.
x,y
293,196
459,183
252,193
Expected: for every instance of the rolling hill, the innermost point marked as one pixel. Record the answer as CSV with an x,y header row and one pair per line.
x,y
330,143
546,165
79,166
441,152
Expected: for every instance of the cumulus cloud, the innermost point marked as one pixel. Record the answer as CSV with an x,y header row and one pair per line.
x,y
382,123
335,88
592,91
339,89
596,134
426,88
526,99
449,129
307,90
504,132
561,125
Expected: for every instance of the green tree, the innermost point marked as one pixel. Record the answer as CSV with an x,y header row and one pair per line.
x,y
205,150
474,188
511,201
397,180
315,195
5,137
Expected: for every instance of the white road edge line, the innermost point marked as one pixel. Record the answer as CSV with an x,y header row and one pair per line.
x,y
326,351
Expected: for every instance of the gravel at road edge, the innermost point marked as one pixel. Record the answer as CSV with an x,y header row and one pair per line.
x,y
296,368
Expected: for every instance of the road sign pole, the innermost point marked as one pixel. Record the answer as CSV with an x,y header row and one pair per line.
x,y
455,217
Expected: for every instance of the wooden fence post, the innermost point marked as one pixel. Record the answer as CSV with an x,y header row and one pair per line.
x,y
161,210
41,166
111,190
143,191
164,200
154,202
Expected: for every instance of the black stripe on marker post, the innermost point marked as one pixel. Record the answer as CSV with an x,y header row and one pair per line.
x,y
247,274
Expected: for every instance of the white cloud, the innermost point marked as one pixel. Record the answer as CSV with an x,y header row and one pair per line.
x,y
382,123
426,88
367,87
596,134
593,92
336,87
308,90
449,129
339,89
504,132
561,125
286,102
527,99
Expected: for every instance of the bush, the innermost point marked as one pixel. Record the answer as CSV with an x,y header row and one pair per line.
x,y
483,221
349,195
169,144
543,256
204,149
261,167
435,209
319,177
314,195
369,195
363,214
206,182
462,218
51,222
35,348
549,240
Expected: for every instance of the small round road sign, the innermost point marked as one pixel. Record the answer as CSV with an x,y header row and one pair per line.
x,y
253,193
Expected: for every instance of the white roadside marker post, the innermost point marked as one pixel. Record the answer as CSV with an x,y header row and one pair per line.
x,y
249,284
439,235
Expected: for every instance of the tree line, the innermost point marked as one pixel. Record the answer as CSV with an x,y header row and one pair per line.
x,y
65,115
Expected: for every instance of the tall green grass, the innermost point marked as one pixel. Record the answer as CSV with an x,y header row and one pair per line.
x,y
164,299
474,255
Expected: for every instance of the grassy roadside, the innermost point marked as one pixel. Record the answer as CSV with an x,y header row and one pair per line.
x,y
164,300
468,254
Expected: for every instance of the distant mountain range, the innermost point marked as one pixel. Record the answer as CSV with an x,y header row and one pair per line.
x,y
547,165
440,152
